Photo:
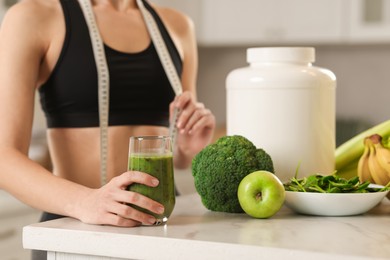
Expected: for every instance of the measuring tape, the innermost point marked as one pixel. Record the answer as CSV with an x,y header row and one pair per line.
x,y
103,84
166,61
103,75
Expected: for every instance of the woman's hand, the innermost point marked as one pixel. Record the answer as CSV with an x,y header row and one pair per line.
x,y
195,127
109,204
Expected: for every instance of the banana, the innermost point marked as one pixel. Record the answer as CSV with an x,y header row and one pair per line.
x,y
348,153
383,156
378,173
363,170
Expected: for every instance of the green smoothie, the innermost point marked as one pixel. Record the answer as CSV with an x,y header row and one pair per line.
x,y
161,167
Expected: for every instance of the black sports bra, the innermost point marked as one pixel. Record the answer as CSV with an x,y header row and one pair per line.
x,y
140,92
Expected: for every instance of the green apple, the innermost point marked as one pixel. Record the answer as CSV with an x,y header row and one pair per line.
x,y
261,194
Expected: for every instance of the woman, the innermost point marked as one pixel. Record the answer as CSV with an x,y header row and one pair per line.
x,y
45,46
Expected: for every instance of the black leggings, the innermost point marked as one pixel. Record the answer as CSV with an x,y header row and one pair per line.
x,y
38,254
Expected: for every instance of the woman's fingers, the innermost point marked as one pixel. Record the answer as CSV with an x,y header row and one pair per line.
x,y
200,118
127,211
193,115
123,195
130,177
137,199
113,204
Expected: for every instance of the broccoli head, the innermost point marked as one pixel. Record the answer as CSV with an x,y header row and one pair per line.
x,y
219,168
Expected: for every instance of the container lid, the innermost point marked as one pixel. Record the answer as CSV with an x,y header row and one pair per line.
x,y
268,54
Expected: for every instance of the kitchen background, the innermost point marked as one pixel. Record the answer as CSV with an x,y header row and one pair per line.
x,y
351,37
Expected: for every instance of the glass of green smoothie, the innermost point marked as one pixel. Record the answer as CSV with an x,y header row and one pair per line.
x,y
153,155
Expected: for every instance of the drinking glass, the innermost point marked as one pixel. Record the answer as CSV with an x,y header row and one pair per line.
x,y
153,155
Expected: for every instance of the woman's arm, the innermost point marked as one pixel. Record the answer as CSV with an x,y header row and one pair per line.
x,y
24,43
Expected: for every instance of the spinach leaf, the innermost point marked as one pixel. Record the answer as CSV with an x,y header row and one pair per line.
x,y
330,184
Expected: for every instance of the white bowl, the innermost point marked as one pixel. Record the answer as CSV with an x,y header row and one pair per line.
x,y
333,204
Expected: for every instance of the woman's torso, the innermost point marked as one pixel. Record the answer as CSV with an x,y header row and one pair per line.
x,y
75,152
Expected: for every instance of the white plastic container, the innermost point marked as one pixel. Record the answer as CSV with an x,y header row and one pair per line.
x,y
285,105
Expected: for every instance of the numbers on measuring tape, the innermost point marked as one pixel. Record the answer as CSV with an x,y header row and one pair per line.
x,y
103,84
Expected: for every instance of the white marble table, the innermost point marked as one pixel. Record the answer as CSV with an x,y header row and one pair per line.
x,y
196,233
